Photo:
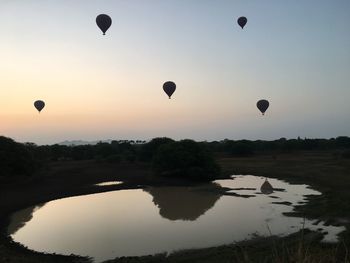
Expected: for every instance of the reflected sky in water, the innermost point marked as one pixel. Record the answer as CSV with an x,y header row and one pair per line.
x,y
163,219
109,183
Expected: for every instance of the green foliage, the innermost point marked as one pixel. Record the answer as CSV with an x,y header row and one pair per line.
x,y
149,149
130,157
115,158
346,154
241,148
16,158
282,145
187,159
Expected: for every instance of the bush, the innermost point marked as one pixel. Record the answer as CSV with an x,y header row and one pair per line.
x,y
187,159
16,158
115,158
346,154
149,149
130,157
239,148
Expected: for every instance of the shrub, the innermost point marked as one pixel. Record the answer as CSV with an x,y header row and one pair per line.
x,y
346,154
130,157
149,149
15,158
187,159
115,158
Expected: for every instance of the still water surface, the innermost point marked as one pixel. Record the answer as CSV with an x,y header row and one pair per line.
x,y
162,219
109,183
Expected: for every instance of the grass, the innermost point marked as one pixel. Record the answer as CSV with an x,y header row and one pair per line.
x,y
301,247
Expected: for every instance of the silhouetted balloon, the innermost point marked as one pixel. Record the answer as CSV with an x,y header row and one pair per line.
x,y
262,105
103,22
242,21
39,105
169,87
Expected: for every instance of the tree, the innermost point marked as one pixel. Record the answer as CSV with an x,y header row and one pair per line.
x,y
149,149
15,158
187,159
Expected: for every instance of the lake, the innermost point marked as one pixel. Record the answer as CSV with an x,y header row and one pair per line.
x,y
164,219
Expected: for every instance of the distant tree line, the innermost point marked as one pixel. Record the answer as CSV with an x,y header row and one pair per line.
x,y
283,145
168,157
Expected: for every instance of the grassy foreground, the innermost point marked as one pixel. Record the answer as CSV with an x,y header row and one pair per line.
x,y
324,171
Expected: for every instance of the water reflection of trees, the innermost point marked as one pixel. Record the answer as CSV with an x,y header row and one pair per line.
x,y
20,218
185,203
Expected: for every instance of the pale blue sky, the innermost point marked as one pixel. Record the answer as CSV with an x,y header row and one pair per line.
x,y
296,54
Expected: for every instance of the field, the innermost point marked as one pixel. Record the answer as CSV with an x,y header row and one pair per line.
x,y
324,171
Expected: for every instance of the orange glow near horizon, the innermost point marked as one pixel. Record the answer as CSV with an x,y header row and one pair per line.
x,y
110,86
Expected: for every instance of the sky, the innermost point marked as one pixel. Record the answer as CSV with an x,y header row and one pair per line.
x,y
296,54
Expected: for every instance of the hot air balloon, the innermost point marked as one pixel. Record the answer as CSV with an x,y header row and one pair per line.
x,y
103,22
39,105
262,105
169,87
242,21
266,188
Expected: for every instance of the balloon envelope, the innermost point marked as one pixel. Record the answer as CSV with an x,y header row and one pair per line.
x,y
242,21
39,105
103,22
169,87
262,105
